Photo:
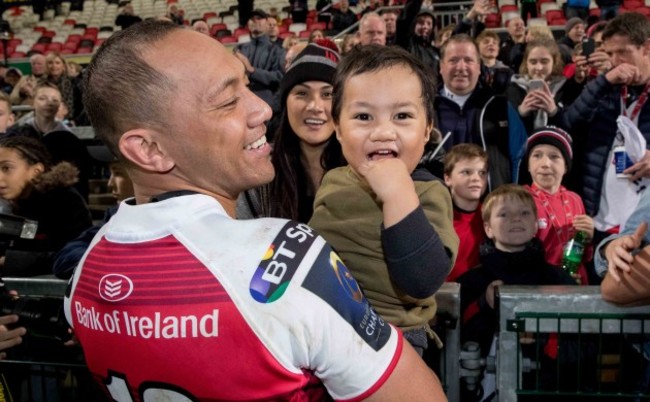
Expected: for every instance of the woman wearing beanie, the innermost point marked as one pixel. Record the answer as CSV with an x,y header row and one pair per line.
x,y
560,212
304,146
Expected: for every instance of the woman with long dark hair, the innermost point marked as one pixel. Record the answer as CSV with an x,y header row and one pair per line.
x,y
304,146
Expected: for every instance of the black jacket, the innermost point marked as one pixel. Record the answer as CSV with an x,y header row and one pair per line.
x,y
61,214
528,267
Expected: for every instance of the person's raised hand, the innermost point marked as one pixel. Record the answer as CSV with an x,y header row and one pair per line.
x,y
618,252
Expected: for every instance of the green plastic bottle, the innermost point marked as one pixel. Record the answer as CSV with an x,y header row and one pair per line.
x,y
573,251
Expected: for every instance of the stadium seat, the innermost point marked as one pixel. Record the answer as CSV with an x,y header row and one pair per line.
x,y
509,8
537,21
506,17
284,35
297,27
595,12
39,47
317,25
228,39
209,14
643,10
85,50
17,55
558,22
552,15
304,34
240,31
71,46
243,38
54,47
222,32
67,51
546,7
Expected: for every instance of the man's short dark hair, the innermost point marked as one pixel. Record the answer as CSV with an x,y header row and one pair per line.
x,y
373,58
122,91
460,38
633,25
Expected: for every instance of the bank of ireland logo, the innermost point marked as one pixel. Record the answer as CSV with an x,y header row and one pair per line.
x,y
348,283
115,287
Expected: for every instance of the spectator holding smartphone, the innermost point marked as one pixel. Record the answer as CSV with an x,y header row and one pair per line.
x,y
540,91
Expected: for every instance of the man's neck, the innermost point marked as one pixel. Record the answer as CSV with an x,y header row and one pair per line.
x,y
145,192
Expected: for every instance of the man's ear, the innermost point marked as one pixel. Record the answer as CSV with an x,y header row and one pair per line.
x,y
142,148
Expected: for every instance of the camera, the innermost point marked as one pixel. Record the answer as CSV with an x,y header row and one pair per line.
x,y
43,317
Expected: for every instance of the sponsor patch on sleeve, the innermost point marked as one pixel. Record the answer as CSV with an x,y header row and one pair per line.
x,y
330,280
281,261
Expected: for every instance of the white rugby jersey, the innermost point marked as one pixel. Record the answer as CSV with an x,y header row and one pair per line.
x,y
174,299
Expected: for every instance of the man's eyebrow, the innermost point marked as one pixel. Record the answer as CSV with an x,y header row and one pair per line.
x,y
215,92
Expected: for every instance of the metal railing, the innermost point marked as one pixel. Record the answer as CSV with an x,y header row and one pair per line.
x,y
594,341
447,322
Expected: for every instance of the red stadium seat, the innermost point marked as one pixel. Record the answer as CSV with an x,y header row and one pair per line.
x,y
85,50
509,8
49,34
55,47
69,21
227,39
304,34
287,34
68,51
39,47
595,12
74,38
553,14
240,31
283,28
317,25
71,45
644,10
91,31
209,14
558,22
632,4
17,55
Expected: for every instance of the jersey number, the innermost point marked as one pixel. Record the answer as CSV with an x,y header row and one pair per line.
x,y
151,392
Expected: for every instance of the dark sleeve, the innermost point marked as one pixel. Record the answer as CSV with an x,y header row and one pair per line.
x,y
405,20
410,248
478,319
67,259
463,27
584,108
469,27
275,71
72,217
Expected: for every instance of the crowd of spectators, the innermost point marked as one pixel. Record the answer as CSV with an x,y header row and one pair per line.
x,y
524,130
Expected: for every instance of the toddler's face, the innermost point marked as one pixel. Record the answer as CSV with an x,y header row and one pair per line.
x,y
512,224
382,116
468,179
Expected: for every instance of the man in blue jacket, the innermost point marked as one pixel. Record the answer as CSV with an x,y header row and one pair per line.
x,y
591,119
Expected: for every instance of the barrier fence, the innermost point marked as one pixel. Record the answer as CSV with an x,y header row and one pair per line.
x,y
567,342
602,350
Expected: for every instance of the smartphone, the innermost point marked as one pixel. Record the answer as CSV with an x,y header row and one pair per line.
x,y
588,47
535,84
